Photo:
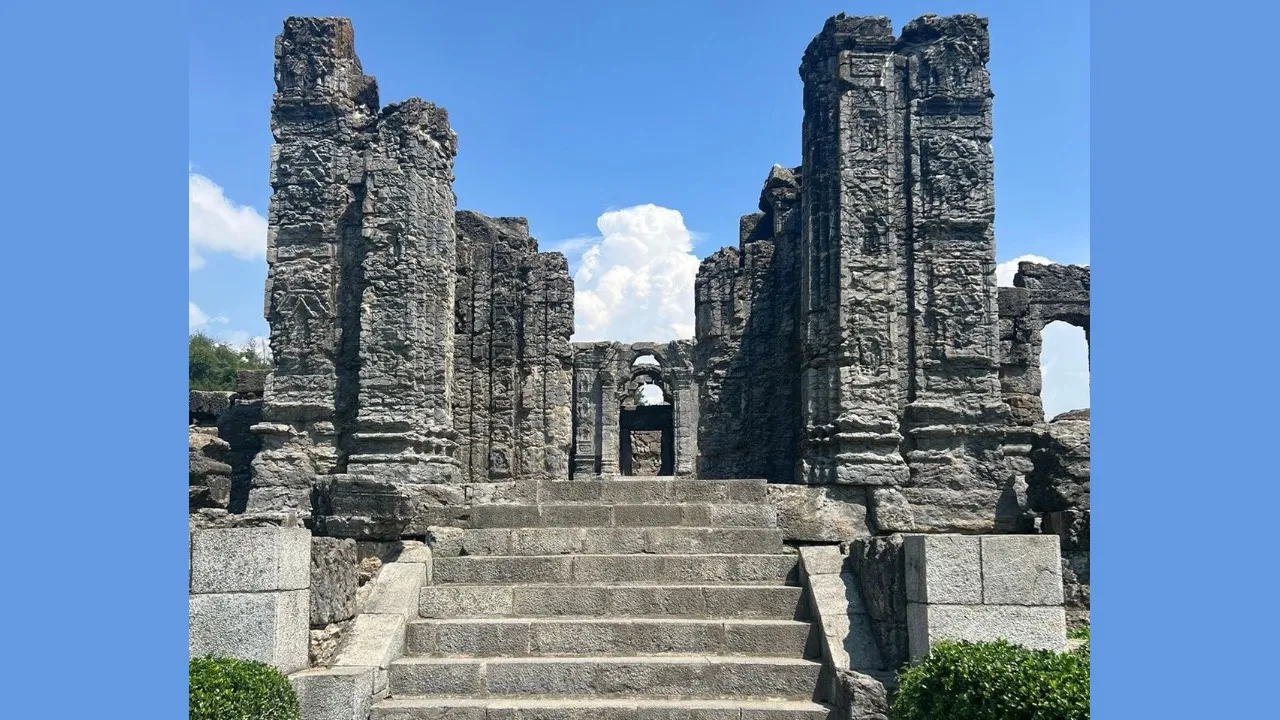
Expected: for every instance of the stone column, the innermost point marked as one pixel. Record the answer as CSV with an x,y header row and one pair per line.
x,y
851,218
403,423
684,420
586,399
610,442
955,415
323,103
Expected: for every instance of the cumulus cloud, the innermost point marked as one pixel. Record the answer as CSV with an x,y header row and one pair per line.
x,y
1064,353
635,281
216,224
195,317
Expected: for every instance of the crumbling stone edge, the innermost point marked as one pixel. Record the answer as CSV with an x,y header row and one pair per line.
x,y
375,639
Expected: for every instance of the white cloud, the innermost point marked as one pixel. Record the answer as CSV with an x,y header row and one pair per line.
x,y
196,318
635,281
217,224
1064,354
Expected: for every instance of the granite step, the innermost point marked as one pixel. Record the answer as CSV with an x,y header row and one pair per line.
x,y
598,514
623,569
619,601
668,676
626,540
652,491
605,637
442,708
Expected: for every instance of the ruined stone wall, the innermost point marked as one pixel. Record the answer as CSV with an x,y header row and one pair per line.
x,y
900,385
747,355
513,359
604,385
1041,294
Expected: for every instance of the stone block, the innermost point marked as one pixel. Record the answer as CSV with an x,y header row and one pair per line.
x,y
1038,628
251,382
209,404
822,560
464,601
258,559
340,693
1021,570
943,569
372,641
333,580
820,513
270,627
397,589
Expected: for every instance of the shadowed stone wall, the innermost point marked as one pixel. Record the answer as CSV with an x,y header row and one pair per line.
x,y
748,347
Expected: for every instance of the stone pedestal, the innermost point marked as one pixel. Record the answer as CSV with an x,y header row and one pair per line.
x,y
250,595
982,588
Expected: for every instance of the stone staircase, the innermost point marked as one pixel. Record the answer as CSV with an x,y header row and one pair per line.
x,y
616,599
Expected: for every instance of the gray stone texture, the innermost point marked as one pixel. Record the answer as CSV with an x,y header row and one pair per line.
x,y
262,559
852,349
833,513
513,360
209,483
862,697
1038,628
879,565
944,569
747,302
1021,570
269,627
333,580
334,693
1058,488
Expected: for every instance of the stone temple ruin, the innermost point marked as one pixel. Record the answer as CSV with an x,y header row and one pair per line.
x,y
438,505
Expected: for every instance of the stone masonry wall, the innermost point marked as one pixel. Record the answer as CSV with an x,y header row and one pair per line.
x,y
1041,294
513,360
416,348
605,380
747,355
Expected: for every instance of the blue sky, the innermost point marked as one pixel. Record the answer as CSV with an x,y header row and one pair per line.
x,y
580,116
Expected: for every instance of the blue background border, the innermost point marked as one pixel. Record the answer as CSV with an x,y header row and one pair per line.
x,y
1183,389
94,284
1184,254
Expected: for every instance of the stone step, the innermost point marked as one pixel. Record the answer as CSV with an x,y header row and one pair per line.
x,y
596,514
625,540
568,637
652,491
440,708
692,601
605,569
670,676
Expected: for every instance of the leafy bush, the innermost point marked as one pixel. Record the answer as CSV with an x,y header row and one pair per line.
x,y
212,365
985,681
226,689
1079,632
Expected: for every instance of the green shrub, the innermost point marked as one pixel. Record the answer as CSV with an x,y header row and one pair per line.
x,y
213,365
226,689
1079,632
994,680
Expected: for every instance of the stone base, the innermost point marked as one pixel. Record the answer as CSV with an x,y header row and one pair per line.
x,y
269,627
1038,628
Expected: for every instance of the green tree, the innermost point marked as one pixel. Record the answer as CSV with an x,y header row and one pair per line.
x,y
213,365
